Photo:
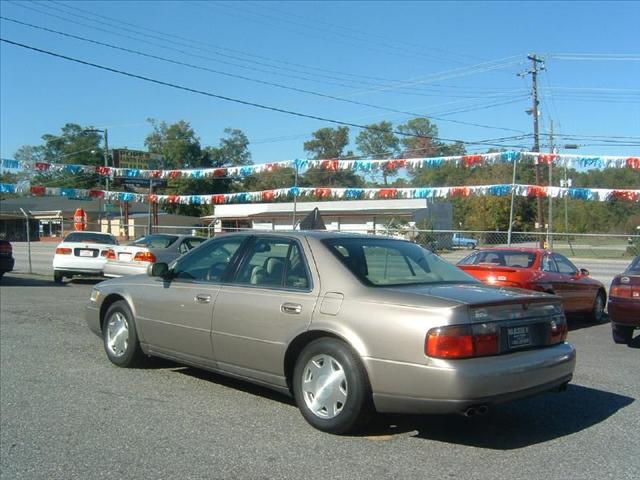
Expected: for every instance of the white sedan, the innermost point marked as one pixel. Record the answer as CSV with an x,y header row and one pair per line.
x,y
82,254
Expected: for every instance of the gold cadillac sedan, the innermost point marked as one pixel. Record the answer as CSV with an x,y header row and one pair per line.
x,y
347,324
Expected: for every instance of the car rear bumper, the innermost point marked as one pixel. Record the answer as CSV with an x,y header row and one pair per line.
x,y
6,264
120,269
78,265
624,311
453,386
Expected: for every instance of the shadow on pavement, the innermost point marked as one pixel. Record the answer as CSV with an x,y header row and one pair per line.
x,y
9,280
511,425
580,322
507,426
241,385
20,281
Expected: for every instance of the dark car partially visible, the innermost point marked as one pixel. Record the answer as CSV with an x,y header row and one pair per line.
x,y
6,257
624,303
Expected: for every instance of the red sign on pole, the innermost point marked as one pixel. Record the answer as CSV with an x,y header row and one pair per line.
x,y
80,219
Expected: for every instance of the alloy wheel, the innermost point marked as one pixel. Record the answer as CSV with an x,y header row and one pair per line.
x,y
324,386
118,334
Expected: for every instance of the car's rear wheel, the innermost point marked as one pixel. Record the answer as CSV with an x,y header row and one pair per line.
x,y
621,333
57,276
597,313
120,336
331,387
471,245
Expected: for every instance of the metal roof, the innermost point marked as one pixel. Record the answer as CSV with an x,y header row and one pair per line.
x,y
327,208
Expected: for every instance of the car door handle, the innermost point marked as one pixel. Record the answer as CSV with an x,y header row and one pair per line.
x,y
293,308
201,298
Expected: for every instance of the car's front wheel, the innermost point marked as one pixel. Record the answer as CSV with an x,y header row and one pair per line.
x,y
120,336
331,387
621,333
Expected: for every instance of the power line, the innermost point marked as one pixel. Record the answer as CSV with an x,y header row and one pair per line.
x,y
232,75
418,92
633,57
368,34
214,95
240,52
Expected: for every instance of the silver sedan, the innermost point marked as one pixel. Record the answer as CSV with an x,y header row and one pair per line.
x,y
134,259
347,324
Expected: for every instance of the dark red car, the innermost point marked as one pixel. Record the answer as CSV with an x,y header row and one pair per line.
x,y
624,303
542,270
6,257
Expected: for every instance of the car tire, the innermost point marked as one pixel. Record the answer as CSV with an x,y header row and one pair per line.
x,y
58,277
330,368
471,246
120,338
622,333
597,312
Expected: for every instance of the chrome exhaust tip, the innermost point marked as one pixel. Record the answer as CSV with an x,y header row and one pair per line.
x,y
482,410
470,412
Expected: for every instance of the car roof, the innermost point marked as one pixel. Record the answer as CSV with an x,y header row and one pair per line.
x,y
88,231
514,249
316,234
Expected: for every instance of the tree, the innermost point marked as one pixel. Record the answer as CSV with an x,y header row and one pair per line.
x,y
30,154
328,143
75,145
232,151
379,141
177,143
421,140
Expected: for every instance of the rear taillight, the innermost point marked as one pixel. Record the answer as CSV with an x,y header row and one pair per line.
x,y
463,341
145,257
110,254
6,248
63,251
559,329
625,291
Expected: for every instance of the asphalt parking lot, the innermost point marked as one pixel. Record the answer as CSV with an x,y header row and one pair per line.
x,y
67,413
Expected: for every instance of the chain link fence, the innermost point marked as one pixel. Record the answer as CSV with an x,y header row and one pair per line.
x,y
602,246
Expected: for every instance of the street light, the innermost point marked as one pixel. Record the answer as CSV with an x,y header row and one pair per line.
x,y
106,164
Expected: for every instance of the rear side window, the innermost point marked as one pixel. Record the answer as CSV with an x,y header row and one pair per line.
x,y
501,258
383,262
274,262
189,244
86,237
156,241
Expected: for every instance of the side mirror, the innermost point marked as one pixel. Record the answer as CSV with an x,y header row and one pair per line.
x,y
159,269
584,272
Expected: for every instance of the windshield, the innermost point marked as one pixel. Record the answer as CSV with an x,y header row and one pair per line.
x,y
634,268
86,237
156,241
386,262
502,258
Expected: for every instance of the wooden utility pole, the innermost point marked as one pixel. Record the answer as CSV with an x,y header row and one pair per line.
x,y
549,197
536,130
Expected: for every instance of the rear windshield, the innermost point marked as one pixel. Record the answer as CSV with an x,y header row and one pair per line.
x,y
386,262
156,241
502,258
86,237
634,268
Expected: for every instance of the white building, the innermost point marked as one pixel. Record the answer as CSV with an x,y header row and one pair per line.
x,y
362,216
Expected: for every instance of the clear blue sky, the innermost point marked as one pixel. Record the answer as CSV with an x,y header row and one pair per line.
x,y
455,60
